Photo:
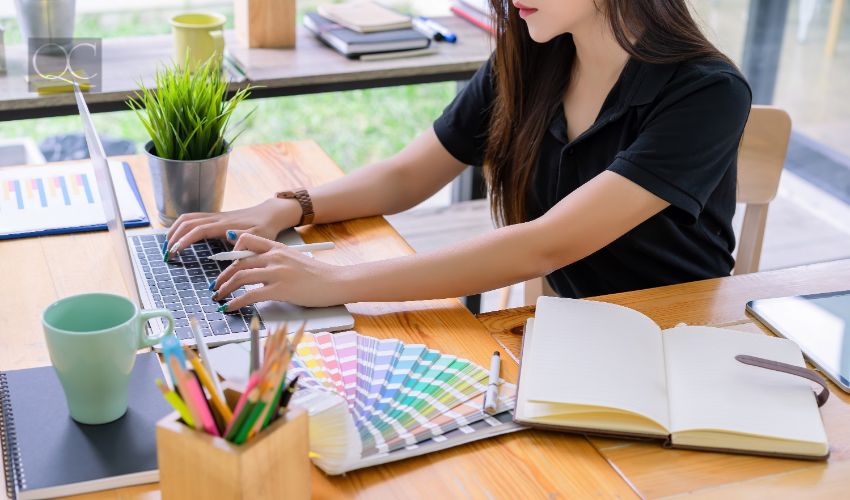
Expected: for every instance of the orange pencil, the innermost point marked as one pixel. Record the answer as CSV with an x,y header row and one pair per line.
x,y
207,382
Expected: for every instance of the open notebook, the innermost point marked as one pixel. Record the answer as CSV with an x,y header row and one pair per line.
x,y
602,368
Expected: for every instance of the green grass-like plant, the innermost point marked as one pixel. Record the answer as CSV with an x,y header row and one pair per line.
x,y
187,115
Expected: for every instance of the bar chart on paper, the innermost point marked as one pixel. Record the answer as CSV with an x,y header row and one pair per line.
x,y
62,198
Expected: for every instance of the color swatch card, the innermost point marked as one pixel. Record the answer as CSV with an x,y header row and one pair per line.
x,y
52,199
374,400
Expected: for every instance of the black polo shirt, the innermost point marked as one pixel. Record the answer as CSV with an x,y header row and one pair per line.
x,y
672,129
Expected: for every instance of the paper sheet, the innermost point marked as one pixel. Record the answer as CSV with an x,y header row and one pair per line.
x,y
46,197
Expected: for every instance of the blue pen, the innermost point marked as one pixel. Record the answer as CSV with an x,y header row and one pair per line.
x,y
433,29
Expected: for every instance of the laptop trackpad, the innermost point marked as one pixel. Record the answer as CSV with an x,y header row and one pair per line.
x,y
334,318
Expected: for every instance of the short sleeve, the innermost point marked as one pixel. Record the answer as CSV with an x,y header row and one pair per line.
x,y
462,128
688,142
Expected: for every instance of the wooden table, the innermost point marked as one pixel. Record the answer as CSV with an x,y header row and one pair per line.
x,y
311,67
657,472
527,464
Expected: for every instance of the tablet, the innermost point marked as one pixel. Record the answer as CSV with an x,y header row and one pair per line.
x,y
819,324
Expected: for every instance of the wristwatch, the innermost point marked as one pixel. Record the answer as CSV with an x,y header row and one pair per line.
x,y
303,198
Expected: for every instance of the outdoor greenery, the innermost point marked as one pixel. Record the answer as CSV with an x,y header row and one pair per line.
x,y
188,117
354,128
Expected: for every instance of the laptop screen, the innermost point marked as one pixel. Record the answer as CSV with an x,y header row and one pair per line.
x,y
109,202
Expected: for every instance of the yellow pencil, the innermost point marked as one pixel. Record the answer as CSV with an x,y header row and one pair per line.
x,y
208,383
176,403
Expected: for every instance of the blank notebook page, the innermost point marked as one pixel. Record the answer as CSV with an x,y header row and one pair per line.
x,y
593,353
711,390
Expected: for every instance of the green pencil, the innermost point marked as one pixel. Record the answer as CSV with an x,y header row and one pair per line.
x,y
238,420
249,423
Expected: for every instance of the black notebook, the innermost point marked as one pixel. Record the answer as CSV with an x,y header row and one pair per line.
x,y
353,44
47,454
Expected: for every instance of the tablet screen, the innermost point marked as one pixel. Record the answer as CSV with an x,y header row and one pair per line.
x,y
819,324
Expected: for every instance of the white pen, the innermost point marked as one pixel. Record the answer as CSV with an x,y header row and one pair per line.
x,y
244,254
490,399
204,354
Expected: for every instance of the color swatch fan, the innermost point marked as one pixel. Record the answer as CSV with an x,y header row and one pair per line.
x,y
373,401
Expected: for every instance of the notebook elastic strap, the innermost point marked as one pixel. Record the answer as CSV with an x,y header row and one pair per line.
x,y
792,369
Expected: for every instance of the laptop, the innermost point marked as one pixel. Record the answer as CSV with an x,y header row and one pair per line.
x,y
182,284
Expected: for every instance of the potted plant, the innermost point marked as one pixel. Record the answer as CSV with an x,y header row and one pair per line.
x,y
187,117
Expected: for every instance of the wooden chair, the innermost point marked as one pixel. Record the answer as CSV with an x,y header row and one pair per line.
x,y
761,156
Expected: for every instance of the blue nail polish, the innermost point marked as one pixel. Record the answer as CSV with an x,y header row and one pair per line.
x,y
231,235
222,308
212,285
166,256
164,246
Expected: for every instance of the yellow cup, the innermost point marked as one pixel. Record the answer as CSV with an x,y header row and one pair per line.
x,y
200,35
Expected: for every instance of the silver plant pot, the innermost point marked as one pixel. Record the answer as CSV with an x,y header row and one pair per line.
x,y
181,187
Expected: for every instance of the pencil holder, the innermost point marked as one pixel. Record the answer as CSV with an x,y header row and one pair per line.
x,y
275,464
265,23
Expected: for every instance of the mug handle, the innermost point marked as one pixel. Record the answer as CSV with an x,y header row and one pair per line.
x,y
218,41
147,315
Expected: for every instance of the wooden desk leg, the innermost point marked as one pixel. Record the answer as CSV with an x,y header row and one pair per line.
x,y
834,27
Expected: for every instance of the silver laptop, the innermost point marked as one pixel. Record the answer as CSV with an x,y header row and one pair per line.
x,y
182,285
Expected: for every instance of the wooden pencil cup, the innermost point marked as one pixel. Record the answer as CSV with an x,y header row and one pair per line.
x,y
265,23
275,464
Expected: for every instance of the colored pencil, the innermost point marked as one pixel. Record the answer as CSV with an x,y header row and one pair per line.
x,y
180,382
217,402
175,402
246,427
196,395
242,415
243,399
204,354
255,344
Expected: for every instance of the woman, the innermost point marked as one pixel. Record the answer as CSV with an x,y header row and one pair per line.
x,y
608,131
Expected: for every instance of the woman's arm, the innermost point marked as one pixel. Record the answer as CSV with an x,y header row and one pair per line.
x,y
389,186
585,221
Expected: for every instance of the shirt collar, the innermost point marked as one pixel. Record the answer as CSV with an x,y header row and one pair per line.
x,y
639,84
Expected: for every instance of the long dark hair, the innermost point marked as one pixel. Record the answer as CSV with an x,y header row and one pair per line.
x,y
530,80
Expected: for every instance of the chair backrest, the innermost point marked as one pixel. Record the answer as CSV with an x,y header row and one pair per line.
x,y
761,156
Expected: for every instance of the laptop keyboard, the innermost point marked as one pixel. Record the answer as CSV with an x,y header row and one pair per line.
x,y
181,285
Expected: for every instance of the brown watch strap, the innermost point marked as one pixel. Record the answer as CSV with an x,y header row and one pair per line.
x,y
790,369
303,198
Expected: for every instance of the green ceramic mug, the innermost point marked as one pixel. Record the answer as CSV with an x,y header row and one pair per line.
x,y
92,340
198,36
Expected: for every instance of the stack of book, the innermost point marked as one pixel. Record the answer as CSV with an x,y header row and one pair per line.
x,y
367,30
477,12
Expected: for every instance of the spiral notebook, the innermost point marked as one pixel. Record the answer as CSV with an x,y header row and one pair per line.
x,y
46,454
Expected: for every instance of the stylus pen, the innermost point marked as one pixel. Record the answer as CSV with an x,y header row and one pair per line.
x,y
493,384
244,254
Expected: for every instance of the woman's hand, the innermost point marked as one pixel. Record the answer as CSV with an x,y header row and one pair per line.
x,y
266,219
286,275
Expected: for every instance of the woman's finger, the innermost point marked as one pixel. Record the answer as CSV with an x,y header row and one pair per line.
x,y
254,243
248,298
182,220
197,233
249,263
184,229
233,235
241,278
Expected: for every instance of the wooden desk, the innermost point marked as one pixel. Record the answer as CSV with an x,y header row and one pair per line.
x,y
310,68
656,472
527,464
